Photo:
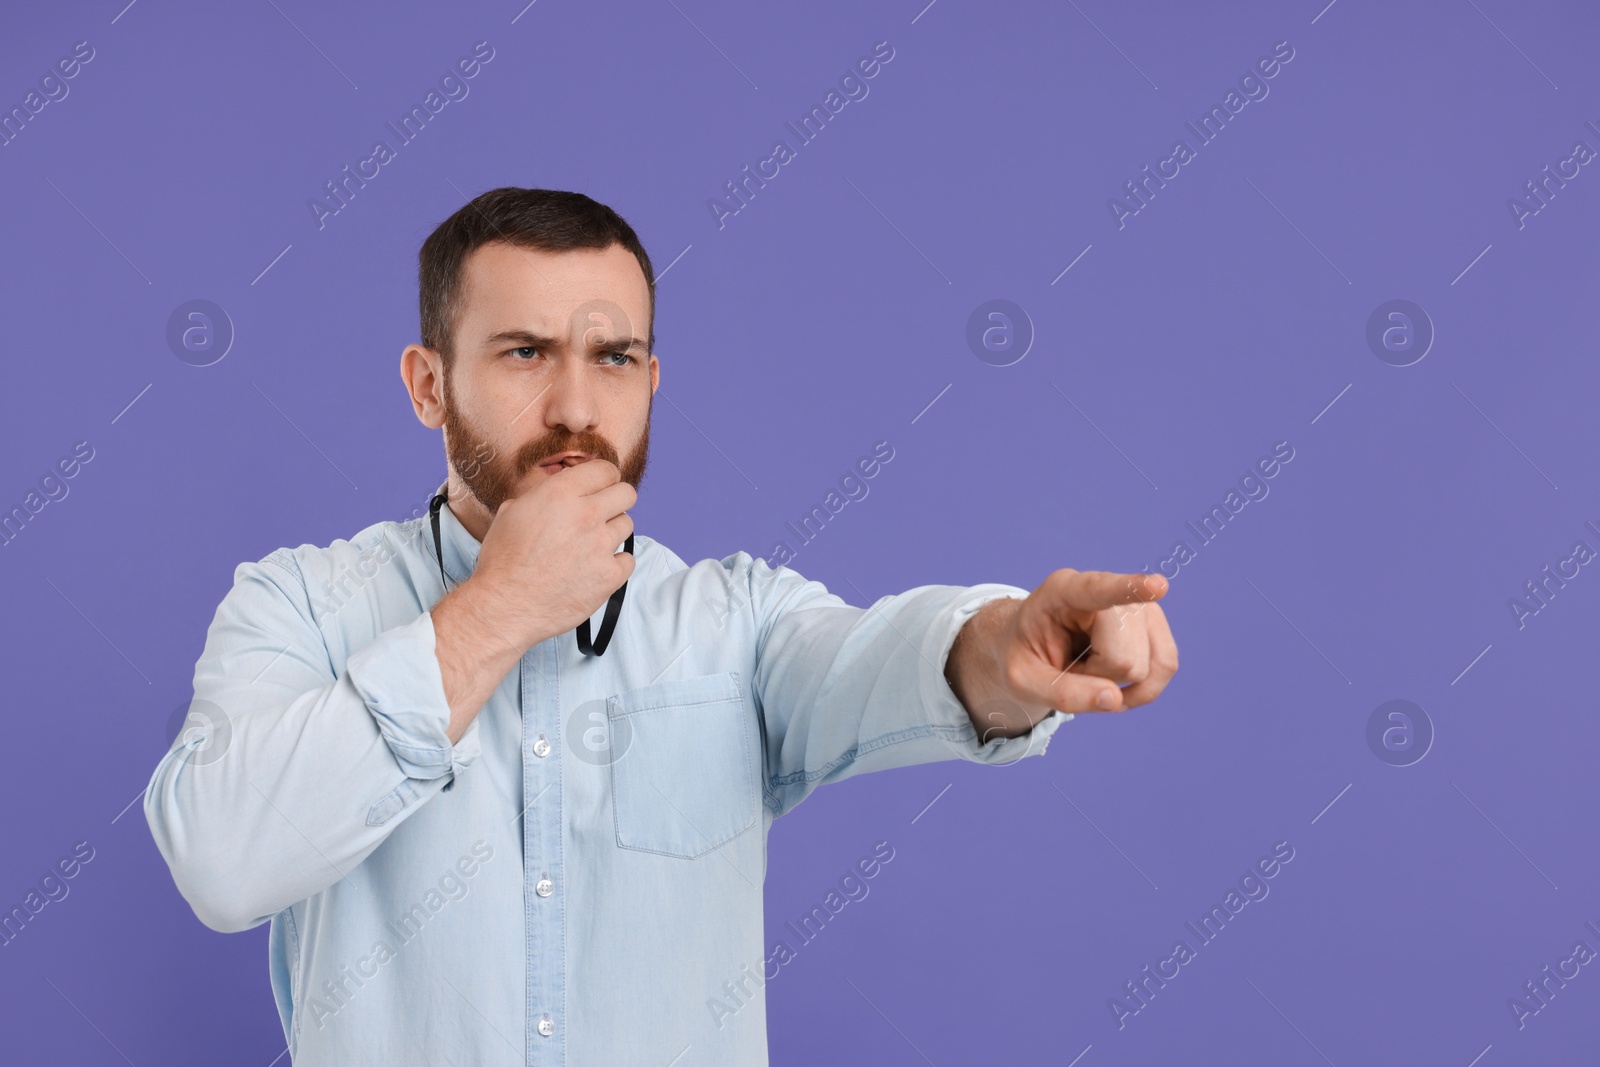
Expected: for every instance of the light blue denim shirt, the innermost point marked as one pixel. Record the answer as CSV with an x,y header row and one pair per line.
x,y
577,881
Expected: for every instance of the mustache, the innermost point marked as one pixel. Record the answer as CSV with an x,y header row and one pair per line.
x,y
533,453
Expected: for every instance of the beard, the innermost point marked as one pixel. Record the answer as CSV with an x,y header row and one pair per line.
x,y
493,478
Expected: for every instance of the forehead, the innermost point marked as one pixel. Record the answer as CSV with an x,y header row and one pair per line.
x,y
505,286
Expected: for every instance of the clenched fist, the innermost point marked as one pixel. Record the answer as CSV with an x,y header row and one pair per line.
x,y
550,559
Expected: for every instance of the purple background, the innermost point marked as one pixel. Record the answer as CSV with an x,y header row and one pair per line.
x,y
828,314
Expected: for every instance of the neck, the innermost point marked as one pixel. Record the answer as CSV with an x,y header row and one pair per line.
x,y
472,515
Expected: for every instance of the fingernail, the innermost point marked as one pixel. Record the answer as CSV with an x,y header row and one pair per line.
x,y
1106,700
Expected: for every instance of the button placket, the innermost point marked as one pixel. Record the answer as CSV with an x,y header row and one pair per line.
x,y
545,976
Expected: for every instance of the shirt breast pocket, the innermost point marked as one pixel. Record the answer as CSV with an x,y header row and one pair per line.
x,y
682,782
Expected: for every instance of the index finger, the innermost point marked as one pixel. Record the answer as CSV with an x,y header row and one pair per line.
x,y
1100,590
605,473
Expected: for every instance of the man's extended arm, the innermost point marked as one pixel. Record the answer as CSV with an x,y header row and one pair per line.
x,y
843,690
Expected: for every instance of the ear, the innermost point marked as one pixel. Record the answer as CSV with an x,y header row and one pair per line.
x,y
655,374
422,370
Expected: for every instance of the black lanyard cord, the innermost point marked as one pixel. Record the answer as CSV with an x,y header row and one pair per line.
x,y
608,622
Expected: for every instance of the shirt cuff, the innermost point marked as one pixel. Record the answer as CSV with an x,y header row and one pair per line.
x,y
397,676
946,708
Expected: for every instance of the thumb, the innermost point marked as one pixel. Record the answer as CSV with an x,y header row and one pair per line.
x,y
1042,683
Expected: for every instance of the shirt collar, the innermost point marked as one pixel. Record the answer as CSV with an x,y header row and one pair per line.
x,y
460,547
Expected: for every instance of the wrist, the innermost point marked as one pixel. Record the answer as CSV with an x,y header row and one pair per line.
x,y
485,621
975,666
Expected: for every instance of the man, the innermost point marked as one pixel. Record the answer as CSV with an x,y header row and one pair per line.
x,y
481,839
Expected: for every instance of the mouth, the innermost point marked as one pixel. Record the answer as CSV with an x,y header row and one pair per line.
x,y
567,460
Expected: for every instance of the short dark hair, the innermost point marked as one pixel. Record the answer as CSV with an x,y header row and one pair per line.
x,y
550,220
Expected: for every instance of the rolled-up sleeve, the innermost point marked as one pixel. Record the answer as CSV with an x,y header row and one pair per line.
x,y
290,774
397,677
843,690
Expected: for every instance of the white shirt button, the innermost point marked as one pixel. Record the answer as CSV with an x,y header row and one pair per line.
x,y
541,748
544,887
546,1026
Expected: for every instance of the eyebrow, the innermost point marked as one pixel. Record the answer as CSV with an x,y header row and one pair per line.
x,y
533,340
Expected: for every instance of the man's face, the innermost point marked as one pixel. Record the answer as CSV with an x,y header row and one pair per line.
x,y
551,356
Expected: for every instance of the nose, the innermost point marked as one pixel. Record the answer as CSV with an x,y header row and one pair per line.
x,y
570,401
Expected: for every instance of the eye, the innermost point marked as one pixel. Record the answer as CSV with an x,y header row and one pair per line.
x,y
524,348
626,359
